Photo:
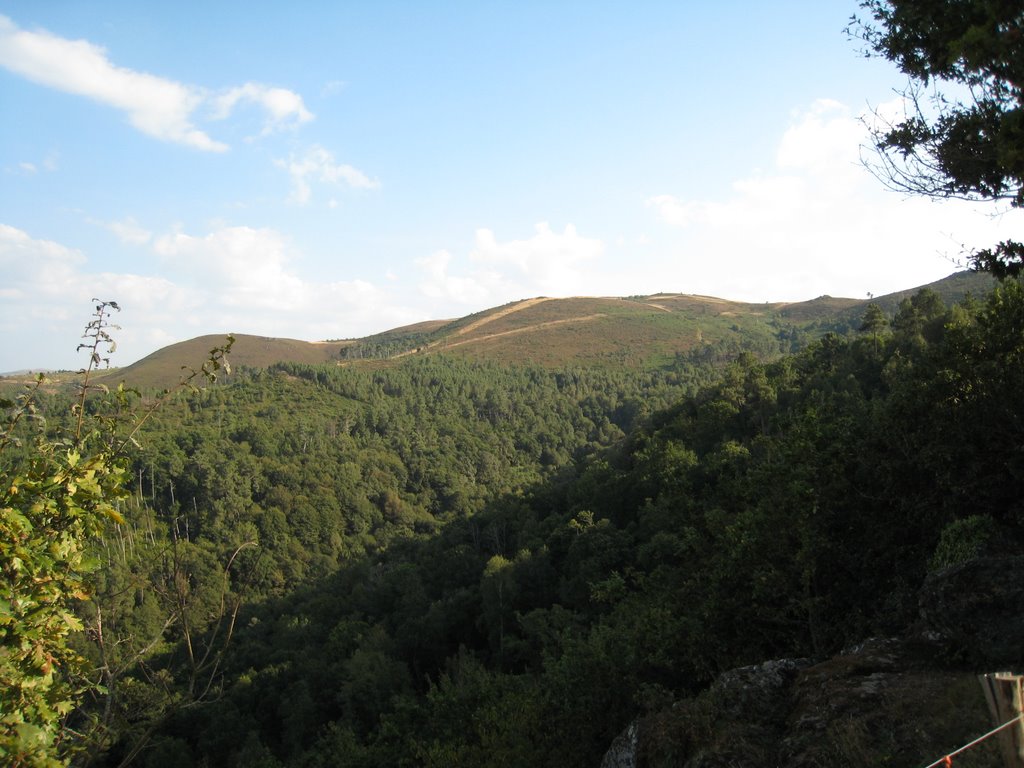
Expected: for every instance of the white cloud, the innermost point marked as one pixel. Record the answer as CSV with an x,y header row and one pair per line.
x,y
823,140
550,261
25,260
129,231
48,296
332,87
284,108
157,106
245,279
817,223
672,210
232,279
247,266
318,164
30,168
440,285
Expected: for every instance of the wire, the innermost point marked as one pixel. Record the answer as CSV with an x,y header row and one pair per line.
x,y
948,759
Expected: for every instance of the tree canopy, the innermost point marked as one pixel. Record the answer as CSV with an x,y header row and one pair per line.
x,y
963,133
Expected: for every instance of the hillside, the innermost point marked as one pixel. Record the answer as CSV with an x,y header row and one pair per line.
x,y
437,559
164,367
637,332
457,562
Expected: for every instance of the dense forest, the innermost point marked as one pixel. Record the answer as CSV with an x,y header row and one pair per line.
x,y
446,562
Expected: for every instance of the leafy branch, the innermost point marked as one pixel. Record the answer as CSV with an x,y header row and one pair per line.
x,y
54,498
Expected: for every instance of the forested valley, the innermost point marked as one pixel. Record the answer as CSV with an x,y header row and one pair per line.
x,y
642,532
444,562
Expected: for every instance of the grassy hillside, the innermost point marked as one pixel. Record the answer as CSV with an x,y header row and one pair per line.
x,y
637,332
646,331
164,367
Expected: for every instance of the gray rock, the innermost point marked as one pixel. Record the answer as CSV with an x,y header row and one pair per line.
x,y
886,700
623,751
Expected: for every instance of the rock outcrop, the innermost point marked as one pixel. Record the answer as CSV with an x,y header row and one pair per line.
x,y
896,701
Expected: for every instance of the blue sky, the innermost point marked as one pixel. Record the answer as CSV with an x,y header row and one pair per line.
x,y
332,169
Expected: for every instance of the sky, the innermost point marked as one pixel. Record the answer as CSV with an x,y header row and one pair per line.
x,y
329,170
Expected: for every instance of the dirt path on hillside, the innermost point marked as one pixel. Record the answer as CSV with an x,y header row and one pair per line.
x,y
447,342
658,306
515,331
525,304
455,339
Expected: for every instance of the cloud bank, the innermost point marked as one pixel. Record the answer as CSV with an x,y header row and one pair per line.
x,y
549,263
233,279
816,222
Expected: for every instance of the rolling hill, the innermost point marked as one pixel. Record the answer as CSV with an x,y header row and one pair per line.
x,y
637,332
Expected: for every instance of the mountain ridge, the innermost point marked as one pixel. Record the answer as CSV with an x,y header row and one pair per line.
x,y
647,332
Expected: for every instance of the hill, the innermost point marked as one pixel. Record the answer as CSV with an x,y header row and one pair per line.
x,y
417,557
450,561
645,332
164,367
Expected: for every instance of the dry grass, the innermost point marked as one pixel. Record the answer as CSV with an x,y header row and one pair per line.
x,y
638,332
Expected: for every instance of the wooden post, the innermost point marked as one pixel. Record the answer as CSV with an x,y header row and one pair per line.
x,y
1004,692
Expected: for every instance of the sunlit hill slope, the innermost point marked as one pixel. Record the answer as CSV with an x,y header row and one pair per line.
x,y
634,332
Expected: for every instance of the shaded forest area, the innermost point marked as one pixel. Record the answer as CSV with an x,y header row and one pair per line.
x,y
451,563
